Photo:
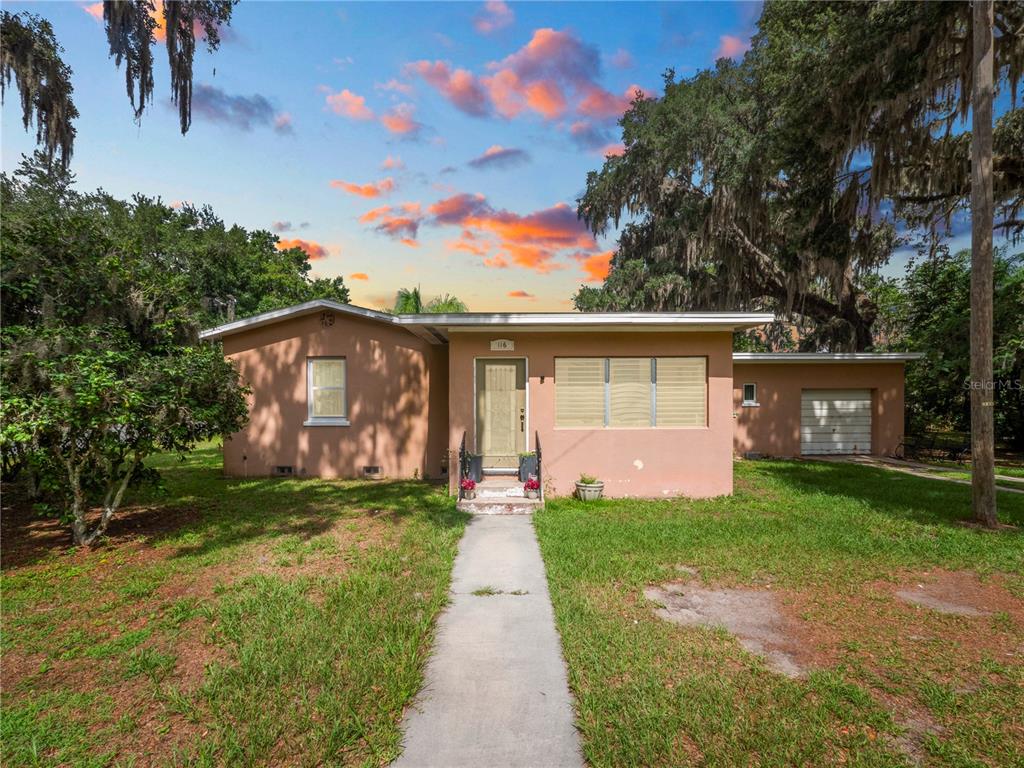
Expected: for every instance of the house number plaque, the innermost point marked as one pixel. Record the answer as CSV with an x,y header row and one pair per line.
x,y
503,345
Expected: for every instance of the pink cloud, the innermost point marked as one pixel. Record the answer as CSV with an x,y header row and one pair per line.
x,y
495,15
359,276
459,86
392,163
596,266
283,122
498,262
400,120
730,46
521,294
312,249
613,150
375,189
349,105
95,10
395,85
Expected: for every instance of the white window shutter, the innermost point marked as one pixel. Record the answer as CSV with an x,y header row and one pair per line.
x,y
579,392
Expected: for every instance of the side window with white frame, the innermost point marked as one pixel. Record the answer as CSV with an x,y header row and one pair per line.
x,y
327,394
750,394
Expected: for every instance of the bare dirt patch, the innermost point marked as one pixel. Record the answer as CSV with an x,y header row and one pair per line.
x,y
753,616
960,593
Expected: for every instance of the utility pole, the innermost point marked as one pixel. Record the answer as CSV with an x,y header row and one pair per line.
x,y
983,394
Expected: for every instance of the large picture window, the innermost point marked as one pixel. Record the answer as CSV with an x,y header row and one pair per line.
x,y
326,390
630,392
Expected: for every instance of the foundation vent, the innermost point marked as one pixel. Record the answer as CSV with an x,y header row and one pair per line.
x,y
284,471
372,472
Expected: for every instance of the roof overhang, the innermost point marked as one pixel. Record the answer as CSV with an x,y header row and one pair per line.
x,y
436,327
825,357
298,310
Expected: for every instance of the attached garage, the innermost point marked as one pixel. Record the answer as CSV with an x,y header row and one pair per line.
x,y
835,421
789,404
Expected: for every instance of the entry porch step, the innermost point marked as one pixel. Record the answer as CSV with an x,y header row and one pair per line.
x,y
500,495
498,506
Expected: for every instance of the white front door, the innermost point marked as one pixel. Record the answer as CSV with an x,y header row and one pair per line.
x,y
501,411
835,421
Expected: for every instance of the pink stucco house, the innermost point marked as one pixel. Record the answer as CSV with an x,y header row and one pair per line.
x,y
654,404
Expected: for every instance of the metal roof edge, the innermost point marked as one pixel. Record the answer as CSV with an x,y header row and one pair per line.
x,y
825,357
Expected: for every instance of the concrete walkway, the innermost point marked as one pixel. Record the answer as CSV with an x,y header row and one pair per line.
x,y
918,469
496,692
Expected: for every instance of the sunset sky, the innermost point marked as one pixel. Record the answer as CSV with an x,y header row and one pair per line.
x,y
434,144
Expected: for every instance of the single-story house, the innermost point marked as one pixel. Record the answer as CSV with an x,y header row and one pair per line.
x,y
654,404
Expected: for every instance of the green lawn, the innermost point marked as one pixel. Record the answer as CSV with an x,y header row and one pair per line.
x,y
240,622
888,683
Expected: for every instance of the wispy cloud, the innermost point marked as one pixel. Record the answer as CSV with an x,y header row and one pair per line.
x,y
371,189
621,59
287,226
313,249
359,276
458,86
349,104
400,120
595,266
392,163
731,46
521,294
493,16
401,222
498,156
241,112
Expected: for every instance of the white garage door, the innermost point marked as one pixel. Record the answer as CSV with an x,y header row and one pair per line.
x,y
835,421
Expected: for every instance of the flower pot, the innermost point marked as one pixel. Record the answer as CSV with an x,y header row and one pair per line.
x,y
527,466
589,491
469,494
533,494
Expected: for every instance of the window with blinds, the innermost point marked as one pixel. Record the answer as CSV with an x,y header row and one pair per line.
x,y
630,392
681,391
579,392
326,389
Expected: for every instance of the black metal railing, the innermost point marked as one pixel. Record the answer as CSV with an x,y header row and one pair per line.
x,y
540,465
463,463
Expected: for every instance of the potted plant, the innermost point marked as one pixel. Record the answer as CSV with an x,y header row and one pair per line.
x,y
527,466
468,486
532,488
589,488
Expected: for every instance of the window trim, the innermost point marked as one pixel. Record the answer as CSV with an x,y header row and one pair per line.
x,y
325,421
606,424
751,402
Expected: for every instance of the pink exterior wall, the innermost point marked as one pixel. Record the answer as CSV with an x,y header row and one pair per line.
x,y
690,461
773,427
397,400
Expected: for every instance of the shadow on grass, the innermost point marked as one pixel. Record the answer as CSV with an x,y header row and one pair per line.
x,y
922,500
199,511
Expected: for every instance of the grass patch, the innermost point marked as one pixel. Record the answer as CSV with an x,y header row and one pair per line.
x,y
225,621
890,683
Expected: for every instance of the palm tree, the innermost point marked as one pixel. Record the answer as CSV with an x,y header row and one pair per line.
x,y
408,301
446,304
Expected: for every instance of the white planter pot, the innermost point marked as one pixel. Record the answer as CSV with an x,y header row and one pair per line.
x,y
533,494
469,494
589,491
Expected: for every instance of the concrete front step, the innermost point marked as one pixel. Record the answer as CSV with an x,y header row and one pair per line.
x,y
499,506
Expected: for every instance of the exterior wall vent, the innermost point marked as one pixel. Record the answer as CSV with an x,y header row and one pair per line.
x,y
372,472
284,471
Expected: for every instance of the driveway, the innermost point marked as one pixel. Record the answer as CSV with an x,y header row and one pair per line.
x,y
919,469
496,692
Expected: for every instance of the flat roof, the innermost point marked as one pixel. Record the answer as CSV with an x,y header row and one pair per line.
x,y
825,357
435,327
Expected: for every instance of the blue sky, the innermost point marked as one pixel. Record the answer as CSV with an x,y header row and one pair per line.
x,y
433,144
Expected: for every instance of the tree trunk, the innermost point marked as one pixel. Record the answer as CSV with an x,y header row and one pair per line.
x,y
983,484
